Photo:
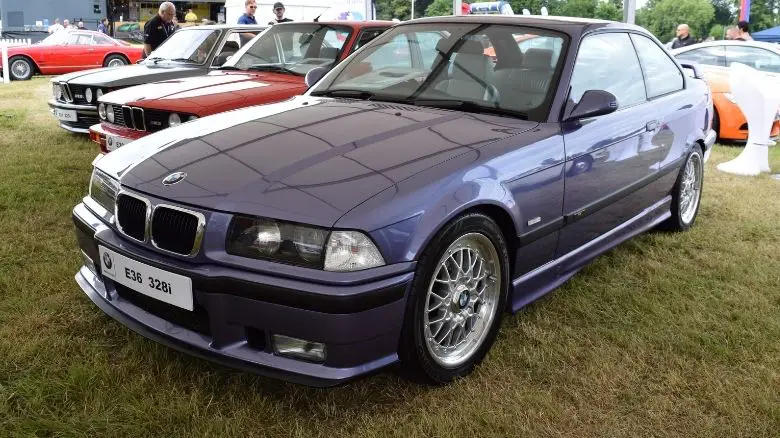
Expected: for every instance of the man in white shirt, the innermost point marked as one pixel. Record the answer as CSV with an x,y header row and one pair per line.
x,y
56,26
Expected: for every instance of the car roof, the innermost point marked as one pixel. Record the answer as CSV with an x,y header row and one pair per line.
x,y
761,44
224,26
562,24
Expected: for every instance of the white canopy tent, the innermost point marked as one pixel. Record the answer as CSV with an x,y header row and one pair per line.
x,y
629,9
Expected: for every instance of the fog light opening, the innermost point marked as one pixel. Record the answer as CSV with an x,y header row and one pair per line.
x,y
299,348
89,263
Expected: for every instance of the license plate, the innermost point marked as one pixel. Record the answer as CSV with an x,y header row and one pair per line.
x,y
66,115
115,141
165,286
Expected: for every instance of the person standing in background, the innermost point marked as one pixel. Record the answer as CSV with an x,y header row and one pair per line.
x,y
743,31
249,16
56,26
279,12
159,28
103,26
684,37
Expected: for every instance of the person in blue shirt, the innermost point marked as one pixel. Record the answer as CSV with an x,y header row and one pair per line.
x,y
249,15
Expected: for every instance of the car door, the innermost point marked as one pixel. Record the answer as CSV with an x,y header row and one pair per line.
x,y
666,94
608,163
101,45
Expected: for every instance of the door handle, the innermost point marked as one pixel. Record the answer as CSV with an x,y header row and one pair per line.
x,y
652,126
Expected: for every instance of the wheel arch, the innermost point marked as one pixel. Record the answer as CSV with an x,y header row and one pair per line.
x,y
36,68
109,54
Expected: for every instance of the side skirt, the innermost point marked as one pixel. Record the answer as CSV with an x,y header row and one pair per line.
x,y
550,276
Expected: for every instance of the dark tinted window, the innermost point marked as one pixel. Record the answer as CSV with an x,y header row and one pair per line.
x,y
608,62
366,36
661,73
715,55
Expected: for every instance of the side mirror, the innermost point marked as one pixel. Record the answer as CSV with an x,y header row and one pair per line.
x,y
692,70
314,75
594,103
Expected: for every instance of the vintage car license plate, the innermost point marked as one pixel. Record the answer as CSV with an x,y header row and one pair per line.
x,y
165,286
115,141
66,115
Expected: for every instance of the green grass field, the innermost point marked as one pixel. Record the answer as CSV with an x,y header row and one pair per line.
x,y
667,335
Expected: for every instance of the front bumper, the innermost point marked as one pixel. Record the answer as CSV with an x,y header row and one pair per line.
x,y
709,141
99,133
234,319
87,115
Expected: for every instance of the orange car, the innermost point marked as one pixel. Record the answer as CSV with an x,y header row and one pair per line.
x,y
713,58
729,122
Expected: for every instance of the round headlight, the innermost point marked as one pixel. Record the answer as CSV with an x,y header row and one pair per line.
x,y
99,93
88,95
102,111
110,113
56,90
309,242
174,120
267,237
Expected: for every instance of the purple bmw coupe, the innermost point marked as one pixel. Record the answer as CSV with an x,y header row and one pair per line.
x,y
450,171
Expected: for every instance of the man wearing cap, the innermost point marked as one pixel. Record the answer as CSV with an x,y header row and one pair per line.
x,y
279,11
249,15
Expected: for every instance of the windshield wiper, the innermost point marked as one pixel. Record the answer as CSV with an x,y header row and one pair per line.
x,y
187,60
353,94
156,59
468,106
228,67
274,68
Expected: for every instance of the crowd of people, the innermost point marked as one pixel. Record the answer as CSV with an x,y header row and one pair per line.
x,y
79,24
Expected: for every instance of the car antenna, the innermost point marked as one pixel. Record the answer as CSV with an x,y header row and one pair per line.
x,y
316,20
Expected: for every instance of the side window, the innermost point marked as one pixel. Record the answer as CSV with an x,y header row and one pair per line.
x,y
73,39
662,75
102,41
608,62
366,36
759,59
715,55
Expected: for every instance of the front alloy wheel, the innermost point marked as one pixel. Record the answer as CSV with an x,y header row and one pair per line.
x,y
457,300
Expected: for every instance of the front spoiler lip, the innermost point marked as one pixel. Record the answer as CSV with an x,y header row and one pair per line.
x,y
84,109
197,345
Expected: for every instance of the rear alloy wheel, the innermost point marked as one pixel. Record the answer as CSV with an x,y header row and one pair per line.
x,y
115,61
686,194
458,298
21,69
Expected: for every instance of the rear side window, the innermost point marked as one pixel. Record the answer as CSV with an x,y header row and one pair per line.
x,y
366,36
661,73
608,62
759,59
715,55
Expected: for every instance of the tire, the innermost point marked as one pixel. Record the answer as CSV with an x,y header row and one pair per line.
x,y
465,239
20,68
686,192
115,61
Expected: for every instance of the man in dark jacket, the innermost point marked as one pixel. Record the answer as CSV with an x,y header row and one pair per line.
x,y
683,37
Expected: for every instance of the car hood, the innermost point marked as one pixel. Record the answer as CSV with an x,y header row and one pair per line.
x,y
129,75
161,95
306,160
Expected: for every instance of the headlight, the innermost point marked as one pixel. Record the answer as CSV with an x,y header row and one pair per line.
x,y
730,98
56,90
99,93
110,113
276,240
174,120
103,189
351,251
88,95
102,111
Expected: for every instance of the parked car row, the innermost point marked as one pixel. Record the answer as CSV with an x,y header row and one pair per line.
x,y
337,197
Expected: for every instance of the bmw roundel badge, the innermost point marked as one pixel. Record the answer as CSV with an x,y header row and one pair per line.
x,y
107,260
174,178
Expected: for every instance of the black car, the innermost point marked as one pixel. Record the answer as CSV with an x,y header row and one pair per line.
x,y
191,51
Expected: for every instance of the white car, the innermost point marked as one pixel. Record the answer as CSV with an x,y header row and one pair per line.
x,y
720,54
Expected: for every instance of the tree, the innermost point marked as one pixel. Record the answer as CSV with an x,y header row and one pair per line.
x,y
663,17
718,31
438,8
389,9
609,11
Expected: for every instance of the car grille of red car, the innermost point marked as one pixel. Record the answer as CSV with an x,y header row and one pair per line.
x,y
140,119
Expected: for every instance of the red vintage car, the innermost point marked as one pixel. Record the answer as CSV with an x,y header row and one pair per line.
x,y
70,50
270,68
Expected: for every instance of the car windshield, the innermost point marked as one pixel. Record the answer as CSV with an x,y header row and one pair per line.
x,y
54,39
293,48
500,69
191,46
